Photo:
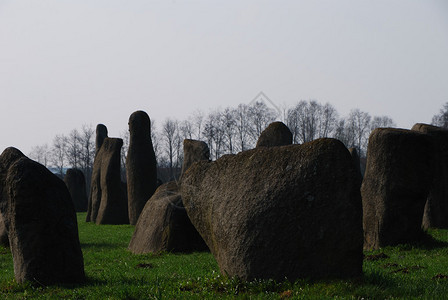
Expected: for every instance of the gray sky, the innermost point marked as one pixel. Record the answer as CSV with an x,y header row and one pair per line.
x,y
68,63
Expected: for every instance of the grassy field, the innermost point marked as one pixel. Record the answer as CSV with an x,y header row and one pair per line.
x,y
402,272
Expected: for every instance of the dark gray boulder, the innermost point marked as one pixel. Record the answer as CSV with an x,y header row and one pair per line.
x,y
276,134
194,151
76,184
396,183
275,212
109,204
164,225
141,165
41,222
101,134
436,209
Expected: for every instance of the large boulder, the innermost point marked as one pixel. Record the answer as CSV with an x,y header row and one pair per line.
x,y
41,222
276,134
101,134
141,165
76,184
276,212
164,225
396,183
194,151
109,203
436,208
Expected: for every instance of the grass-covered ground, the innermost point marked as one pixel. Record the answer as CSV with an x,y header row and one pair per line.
x,y
405,271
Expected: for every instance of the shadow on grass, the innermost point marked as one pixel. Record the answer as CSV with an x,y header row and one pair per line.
x,y
425,242
100,245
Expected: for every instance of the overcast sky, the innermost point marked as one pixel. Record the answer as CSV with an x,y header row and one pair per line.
x,y
68,63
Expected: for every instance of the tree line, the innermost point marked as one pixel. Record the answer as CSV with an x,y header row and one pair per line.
x,y
227,131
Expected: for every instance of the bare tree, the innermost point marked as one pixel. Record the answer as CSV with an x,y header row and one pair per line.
x,y
242,127
73,149
382,121
229,127
198,124
41,154
441,119
359,124
260,117
170,128
59,150
214,133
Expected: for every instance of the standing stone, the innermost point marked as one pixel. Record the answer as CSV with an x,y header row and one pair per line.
x,y
109,206
164,225
356,163
101,134
436,208
292,211
76,184
4,241
396,183
41,222
276,134
194,151
141,165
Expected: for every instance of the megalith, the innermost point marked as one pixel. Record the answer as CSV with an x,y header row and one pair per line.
x,y
164,225
101,134
194,151
4,241
276,212
141,165
276,134
41,222
356,163
436,209
396,183
76,184
109,205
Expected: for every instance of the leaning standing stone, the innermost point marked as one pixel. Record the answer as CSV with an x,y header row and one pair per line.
x,y
110,199
396,183
292,211
141,165
194,151
41,222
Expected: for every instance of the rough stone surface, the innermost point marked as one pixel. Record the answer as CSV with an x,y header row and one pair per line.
x,y
109,204
276,134
396,183
291,211
436,209
101,134
164,225
76,184
41,222
194,151
141,165
4,241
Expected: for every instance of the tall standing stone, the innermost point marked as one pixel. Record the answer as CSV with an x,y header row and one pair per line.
x,y
41,222
436,208
194,151
109,205
101,134
141,165
276,212
76,184
276,134
396,183
4,241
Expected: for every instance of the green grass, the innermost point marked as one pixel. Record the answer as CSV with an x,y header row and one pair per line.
x,y
402,272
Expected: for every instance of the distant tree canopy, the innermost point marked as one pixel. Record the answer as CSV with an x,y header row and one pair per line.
x,y
226,131
441,119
